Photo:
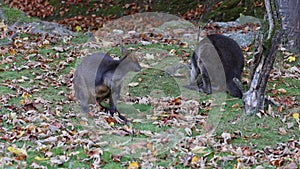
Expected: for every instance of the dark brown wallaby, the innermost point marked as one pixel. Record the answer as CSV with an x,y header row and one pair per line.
x,y
99,76
219,59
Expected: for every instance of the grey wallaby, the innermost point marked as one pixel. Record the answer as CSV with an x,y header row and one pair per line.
x,y
99,76
219,59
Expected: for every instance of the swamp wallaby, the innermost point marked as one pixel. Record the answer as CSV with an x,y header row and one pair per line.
x,y
219,59
99,76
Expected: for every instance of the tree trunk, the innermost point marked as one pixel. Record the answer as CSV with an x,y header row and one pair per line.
x,y
290,12
264,56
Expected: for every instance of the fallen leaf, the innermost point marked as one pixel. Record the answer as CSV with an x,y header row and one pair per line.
x,y
177,101
277,163
195,160
188,131
290,125
12,52
149,56
40,158
111,124
226,137
133,84
235,106
282,131
20,134
184,45
199,149
147,133
134,165
172,52
240,164
291,59
116,158
296,116
78,28
17,151
282,91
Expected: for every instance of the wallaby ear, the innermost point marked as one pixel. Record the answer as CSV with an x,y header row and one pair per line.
x,y
124,52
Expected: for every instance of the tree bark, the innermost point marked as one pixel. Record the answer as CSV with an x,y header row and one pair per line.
x,y
289,10
264,56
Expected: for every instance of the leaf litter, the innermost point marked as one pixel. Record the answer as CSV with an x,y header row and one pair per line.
x,y
39,124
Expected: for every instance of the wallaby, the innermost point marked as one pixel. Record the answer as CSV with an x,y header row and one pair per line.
x,y
219,59
99,76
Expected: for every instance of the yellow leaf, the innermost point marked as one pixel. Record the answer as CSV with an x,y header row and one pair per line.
x,y
172,52
40,158
78,28
73,132
291,58
44,44
195,160
17,151
25,95
22,102
3,26
111,124
57,112
296,116
150,147
235,106
12,52
133,165
20,134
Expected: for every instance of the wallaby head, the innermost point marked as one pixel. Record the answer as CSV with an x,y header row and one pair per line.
x,y
129,62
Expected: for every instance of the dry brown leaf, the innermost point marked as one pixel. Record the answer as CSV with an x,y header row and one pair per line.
x,y
282,131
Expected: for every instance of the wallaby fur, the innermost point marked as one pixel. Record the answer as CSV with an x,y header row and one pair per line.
x,y
99,76
219,59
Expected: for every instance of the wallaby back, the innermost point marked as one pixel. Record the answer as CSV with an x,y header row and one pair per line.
x,y
99,76
219,59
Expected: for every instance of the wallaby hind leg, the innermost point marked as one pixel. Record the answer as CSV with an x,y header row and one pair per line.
x,y
84,100
194,74
84,106
206,85
195,80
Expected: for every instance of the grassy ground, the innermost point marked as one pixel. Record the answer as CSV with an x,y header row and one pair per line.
x,y
38,116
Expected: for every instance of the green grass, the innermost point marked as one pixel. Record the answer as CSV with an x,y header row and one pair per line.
x,y
231,10
153,82
13,15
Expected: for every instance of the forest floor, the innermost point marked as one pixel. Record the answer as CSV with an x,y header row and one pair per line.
x,y
42,127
